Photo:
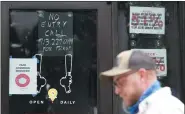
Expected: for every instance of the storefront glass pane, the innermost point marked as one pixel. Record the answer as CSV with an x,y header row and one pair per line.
x,y
63,43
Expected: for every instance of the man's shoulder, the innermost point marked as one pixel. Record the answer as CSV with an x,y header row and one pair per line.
x,y
164,97
162,101
169,105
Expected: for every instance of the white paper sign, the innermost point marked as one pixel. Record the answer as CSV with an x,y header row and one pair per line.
x,y
23,76
147,20
159,56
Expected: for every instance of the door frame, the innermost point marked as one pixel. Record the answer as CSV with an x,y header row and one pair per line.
x,y
104,47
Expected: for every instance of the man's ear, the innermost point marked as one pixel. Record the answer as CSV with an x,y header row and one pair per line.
x,y
143,74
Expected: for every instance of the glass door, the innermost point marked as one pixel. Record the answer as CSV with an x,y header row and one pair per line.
x,y
52,57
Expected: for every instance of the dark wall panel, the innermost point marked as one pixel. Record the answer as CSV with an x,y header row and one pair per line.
x,y
181,16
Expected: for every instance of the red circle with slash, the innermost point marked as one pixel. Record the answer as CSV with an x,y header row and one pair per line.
x,y
26,77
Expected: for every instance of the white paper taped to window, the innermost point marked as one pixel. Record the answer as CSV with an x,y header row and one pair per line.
x,y
23,76
147,20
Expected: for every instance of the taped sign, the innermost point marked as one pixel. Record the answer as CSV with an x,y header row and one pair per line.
x,y
159,56
147,20
23,76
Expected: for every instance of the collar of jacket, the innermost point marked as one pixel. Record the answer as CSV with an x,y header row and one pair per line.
x,y
154,87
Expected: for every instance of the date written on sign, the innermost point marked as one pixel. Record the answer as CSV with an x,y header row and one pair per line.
x,y
57,44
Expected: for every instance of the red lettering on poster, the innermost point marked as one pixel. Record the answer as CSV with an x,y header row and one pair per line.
x,y
162,67
151,18
135,18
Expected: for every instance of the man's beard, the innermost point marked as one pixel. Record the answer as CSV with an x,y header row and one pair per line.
x,y
125,108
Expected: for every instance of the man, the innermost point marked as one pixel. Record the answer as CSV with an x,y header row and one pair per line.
x,y
136,83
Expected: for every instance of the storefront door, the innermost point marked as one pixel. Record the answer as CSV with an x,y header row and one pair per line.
x,y
51,57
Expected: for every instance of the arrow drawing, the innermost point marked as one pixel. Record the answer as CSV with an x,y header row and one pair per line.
x,y
68,76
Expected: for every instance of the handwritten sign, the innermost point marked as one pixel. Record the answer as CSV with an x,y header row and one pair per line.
x,y
55,32
147,20
159,56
